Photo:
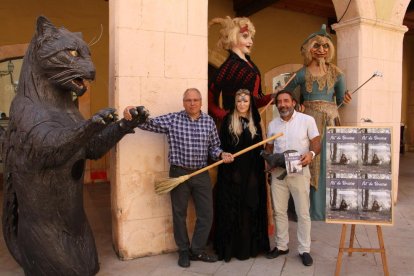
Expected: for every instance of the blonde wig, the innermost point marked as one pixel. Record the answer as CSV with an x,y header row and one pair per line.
x,y
306,53
230,28
235,126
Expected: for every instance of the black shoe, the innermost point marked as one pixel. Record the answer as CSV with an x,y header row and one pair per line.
x,y
203,256
184,258
306,259
275,253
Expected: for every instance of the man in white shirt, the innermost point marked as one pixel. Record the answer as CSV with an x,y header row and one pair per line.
x,y
300,133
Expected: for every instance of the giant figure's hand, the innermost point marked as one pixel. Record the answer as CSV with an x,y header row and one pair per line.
x,y
347,97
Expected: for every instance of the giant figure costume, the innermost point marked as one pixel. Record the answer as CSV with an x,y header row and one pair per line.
x,y
234,74
320,95
238,71
44,153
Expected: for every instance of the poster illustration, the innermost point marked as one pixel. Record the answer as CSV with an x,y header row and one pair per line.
x,y
358,175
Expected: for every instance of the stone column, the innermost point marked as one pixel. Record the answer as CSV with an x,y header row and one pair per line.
x,y
366,46
157,50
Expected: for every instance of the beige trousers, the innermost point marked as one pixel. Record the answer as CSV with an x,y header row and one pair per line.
x,y
299,186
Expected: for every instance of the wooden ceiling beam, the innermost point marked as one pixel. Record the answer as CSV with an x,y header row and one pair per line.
x,y
249,7
323,8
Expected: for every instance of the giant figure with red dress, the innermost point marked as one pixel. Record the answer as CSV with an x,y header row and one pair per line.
x,y
238,71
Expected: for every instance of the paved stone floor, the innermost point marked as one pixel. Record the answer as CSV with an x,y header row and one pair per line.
x,y
399,243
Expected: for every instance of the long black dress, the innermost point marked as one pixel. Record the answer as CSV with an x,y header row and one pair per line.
x,y
240,199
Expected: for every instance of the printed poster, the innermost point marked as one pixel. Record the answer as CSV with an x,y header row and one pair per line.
x,y
358,175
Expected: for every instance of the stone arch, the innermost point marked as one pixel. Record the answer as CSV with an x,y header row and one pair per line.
x,y
398,11
389,11
356,9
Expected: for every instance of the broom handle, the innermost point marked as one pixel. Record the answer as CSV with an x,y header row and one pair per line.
x,y
273,99
236,154
352,93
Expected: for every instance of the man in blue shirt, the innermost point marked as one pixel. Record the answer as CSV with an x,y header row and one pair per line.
x,y
192,137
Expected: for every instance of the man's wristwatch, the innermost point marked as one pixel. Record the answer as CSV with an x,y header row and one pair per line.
x,y
313,154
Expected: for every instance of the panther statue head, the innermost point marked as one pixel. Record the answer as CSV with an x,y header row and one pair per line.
x,y
62,57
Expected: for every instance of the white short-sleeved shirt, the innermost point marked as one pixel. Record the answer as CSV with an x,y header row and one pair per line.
x,y
297,133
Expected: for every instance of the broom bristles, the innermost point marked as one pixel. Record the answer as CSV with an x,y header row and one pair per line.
x,y
165,185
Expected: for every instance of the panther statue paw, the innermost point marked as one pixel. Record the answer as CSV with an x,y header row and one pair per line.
x,y
105,116
139,114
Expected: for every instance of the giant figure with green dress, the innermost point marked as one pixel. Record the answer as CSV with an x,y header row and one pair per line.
x,y
322,90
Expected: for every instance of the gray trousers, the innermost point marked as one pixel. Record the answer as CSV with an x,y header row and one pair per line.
x,y
199,187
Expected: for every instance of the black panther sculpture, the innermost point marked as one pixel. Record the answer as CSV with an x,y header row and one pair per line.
x,y
44,152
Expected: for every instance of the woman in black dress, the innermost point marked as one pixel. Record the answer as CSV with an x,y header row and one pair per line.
x,y
240,192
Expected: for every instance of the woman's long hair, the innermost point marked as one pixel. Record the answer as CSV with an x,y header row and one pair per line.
x,y
236,125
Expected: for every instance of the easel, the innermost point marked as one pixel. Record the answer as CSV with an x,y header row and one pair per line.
x,y
351,249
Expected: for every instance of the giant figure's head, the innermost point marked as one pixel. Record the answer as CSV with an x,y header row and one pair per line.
x,y
319,47
235,32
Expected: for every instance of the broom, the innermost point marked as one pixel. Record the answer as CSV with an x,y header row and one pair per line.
x,y
273,99
165,185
